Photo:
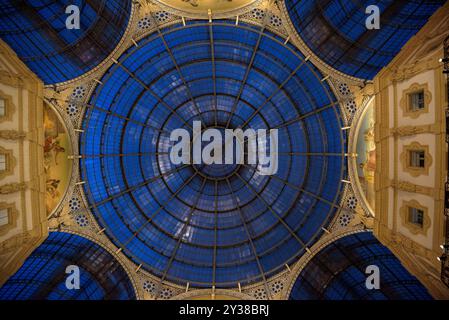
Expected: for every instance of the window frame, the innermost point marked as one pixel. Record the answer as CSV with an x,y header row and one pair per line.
x,y
406,101
10,162
420,103
12,217
414,228
406,159
4,214
416,216
8,106
417,158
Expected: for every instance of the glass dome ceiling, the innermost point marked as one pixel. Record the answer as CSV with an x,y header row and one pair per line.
x,y
36,31
215,225
338,272
43,274
335,31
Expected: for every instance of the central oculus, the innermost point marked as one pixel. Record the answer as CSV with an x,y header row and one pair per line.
x,y
229,148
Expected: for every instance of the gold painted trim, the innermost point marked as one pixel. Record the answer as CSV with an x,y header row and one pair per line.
x,y
404,131
405,159
419,55
405,100
415,188
414,228
32,226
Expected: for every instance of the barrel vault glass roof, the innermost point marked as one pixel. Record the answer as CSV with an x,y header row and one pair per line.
x,y
36,31
43,275
220,224
338,272
335,30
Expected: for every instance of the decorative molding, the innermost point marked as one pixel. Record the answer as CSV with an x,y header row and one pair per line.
x,y
13,187
405,159
12,135
419,55
413,68
414,188
405,100
404,131
31,229
421,52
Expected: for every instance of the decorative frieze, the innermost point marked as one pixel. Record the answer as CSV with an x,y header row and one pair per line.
x,y
13,187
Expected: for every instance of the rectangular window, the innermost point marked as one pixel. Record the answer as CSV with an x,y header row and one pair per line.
x,y
4,219
2,162
417,101
2,107
417,158
416,216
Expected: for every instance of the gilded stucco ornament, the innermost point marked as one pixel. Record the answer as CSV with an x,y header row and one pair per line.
x,y
12,135
13,187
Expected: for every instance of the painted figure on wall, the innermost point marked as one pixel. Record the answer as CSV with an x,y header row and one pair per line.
x,y
195,3
366,160
56,165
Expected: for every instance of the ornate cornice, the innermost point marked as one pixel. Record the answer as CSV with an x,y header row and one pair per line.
x,y
415,188
12,135
405,131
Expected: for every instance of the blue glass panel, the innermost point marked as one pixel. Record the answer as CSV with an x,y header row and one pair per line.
x,y
36,31
43,274
335,31
338,272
